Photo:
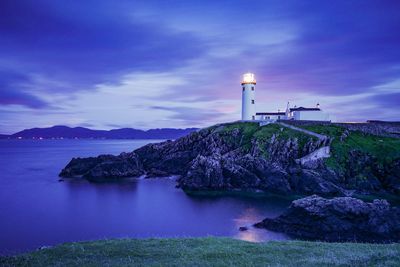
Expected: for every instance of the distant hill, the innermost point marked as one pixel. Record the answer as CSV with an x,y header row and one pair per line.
x,y
4,136
85,133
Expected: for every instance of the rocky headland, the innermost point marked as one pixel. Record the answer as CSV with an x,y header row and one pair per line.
x,y
337,220
272,158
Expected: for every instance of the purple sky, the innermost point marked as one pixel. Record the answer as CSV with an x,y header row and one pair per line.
x,y
149,64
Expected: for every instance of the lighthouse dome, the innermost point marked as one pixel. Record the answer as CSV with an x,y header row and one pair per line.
x,y
249,78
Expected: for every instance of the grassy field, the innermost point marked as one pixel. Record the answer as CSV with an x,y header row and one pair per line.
x,y
208,252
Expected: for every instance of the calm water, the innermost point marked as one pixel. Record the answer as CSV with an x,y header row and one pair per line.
x,y
38,210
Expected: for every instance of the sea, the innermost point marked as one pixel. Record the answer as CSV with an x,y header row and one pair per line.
x,y
37,209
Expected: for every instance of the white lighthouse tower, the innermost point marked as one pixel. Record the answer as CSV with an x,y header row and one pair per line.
x,y
248,97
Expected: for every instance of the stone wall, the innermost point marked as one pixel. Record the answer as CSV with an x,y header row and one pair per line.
x,y
391,129
310,160
379,128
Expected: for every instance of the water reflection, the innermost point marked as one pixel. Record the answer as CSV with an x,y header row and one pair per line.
x,y
246,219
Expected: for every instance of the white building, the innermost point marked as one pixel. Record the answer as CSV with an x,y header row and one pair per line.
x,y
270,116
307,114
295,113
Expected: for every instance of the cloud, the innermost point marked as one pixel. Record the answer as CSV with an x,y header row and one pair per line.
x,y
339,51
14,90
87,43
388,101
190,115
20,98
179,63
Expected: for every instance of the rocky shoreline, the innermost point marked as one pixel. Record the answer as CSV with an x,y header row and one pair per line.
x,y
341,219
237,156
245,157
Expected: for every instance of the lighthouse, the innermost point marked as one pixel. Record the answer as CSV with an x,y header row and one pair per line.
x,y
248,97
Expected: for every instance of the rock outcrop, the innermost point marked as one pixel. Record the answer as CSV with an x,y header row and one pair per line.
x,y
104,167
245,156
338,219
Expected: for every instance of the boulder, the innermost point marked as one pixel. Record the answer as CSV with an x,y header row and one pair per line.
x,y
338,219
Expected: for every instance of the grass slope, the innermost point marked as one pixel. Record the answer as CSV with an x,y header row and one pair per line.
x,y
208,252
251,131
385,149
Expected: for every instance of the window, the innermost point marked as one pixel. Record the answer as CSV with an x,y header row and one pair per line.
x,y
243,88
252,101
252,88
253,117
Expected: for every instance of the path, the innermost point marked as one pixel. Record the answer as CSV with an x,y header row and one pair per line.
x,y
319,136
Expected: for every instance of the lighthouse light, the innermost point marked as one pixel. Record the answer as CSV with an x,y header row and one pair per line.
x,y
249,78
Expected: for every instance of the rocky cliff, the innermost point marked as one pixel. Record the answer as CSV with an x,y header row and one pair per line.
x,y
338,219
270,158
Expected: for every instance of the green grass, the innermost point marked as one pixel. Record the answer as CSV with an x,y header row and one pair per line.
x,y
251,131
246,129
264,134
385,149
208,252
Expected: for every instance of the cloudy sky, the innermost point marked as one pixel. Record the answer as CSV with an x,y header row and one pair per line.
x,y
148,64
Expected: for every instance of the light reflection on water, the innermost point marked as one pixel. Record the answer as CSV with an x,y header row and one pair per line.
x,y
247,218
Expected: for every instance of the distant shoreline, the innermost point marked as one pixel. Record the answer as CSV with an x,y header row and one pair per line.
x,y
65,132
60,139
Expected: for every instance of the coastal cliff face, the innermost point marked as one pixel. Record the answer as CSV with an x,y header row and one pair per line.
x,y
270,158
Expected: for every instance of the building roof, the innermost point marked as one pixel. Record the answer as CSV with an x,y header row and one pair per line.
x,y
304,109
270,113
